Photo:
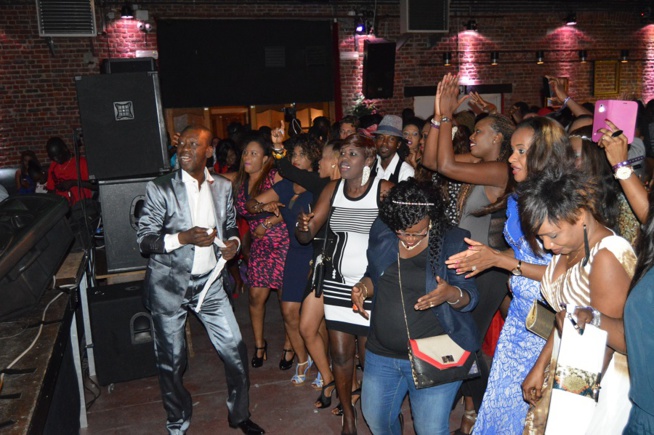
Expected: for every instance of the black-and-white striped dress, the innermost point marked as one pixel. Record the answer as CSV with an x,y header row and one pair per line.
x,y
350,224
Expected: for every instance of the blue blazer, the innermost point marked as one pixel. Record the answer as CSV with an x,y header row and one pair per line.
x,y
459,324
166,211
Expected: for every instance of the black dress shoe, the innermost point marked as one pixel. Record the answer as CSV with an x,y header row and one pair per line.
x,y
250,428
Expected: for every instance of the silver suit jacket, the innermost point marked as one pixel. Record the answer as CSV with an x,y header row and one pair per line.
x,y
166,211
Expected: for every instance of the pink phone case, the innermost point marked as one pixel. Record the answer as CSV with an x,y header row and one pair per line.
x,y
620,112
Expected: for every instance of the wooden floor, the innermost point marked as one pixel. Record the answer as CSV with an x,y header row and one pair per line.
x,y
278,406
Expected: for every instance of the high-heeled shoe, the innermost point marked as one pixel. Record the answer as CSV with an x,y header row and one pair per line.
x,y
285,364
298,379
325,399
257,361
356,395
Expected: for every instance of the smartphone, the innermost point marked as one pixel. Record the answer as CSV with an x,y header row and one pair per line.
x,y
620,112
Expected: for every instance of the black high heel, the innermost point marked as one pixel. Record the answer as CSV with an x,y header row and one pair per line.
x,y
325,400
285,364
343,422
257,361
356,395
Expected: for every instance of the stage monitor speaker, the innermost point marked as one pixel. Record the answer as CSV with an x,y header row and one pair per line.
x,y
122,202
378,69
128,65
424,16
123,334
34,239
123,125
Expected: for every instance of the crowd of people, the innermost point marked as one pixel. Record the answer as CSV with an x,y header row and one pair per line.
x,y
378,231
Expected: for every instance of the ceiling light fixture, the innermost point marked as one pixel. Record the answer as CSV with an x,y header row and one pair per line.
x,y
495,57
624,56
126,11
583,56
471,25
359,25
447,59
571,19
540,57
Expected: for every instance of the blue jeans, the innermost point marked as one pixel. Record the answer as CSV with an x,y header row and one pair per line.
x,y
386,381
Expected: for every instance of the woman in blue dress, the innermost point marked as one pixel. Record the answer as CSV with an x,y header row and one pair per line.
x,y
536,143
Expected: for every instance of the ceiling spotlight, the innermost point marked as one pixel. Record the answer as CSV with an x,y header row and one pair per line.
x,y
447,59
495,57
583,56
571,19
359,25
624,56
471,25
126,12
645,13
540,57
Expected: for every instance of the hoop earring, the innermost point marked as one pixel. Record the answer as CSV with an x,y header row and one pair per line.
x,y
366,175
586,248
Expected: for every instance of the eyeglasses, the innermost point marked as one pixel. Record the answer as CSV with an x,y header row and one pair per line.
x,y
420,235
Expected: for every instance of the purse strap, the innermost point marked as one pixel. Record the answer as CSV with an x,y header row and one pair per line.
x,y
399,278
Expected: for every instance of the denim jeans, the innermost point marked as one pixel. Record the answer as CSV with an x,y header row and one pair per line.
x,y
386,381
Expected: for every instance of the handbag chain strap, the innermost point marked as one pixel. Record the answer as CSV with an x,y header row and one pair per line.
x,y
399,278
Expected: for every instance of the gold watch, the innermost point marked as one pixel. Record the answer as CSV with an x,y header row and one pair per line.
x,y
517,271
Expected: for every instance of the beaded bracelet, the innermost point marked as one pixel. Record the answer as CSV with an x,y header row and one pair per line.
x,y
628,162
365,290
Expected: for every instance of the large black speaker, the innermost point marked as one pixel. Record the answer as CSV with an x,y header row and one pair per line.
x,y
34,239
122,125
424,16
378,69
122,202
123,334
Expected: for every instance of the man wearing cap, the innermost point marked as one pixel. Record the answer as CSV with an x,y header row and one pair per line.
x,y
388,138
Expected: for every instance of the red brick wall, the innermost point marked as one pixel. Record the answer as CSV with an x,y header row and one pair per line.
x,y
38,99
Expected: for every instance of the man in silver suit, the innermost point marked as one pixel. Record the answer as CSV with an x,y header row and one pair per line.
x,y
186,216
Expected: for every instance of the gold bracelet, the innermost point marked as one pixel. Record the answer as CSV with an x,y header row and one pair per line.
x,y
365,290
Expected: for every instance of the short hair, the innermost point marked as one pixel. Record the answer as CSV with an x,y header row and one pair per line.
x,y
558,194
198,128
349,119
358,140
309,144
418,122
522,107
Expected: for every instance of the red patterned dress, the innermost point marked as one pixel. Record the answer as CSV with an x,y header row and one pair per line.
x,y
267,254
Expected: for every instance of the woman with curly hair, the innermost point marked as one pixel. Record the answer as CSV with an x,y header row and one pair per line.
x,y
406,268
269,234
290,199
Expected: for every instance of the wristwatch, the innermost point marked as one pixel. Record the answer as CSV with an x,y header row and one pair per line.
x,y
279,153
623,172
517,271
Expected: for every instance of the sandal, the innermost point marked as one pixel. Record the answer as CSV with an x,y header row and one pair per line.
x,y
325,398
317,383
298,379
285,364
343,422
356,395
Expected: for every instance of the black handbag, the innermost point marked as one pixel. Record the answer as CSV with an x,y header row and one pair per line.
x,y
325,255
437,360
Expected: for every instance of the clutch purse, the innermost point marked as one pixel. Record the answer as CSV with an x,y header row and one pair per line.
x,y
540,319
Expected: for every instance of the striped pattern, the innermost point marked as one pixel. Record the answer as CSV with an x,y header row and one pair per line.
x,y
353,220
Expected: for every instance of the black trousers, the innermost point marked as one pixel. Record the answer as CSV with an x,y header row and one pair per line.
x,y
218,318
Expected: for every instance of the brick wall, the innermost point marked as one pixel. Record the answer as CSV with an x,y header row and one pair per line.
x,y
38,99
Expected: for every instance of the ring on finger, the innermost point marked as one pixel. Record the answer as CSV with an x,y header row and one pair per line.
x,y
473,268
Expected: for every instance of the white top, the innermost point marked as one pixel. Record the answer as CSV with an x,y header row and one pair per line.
x,y
406,170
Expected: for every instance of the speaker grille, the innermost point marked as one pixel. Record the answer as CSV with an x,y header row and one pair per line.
x,y
66,18
424,16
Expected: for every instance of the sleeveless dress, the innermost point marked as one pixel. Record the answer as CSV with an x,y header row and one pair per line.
x,y
573,286
350,224
268,254
503,410
296,269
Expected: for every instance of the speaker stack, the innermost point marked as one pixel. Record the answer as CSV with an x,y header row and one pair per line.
x,y
123,333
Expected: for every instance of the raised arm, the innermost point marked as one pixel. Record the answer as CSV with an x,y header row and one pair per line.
x,y
561,95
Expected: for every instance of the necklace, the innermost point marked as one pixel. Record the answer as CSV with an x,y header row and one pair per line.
x,y
411,248
575,257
